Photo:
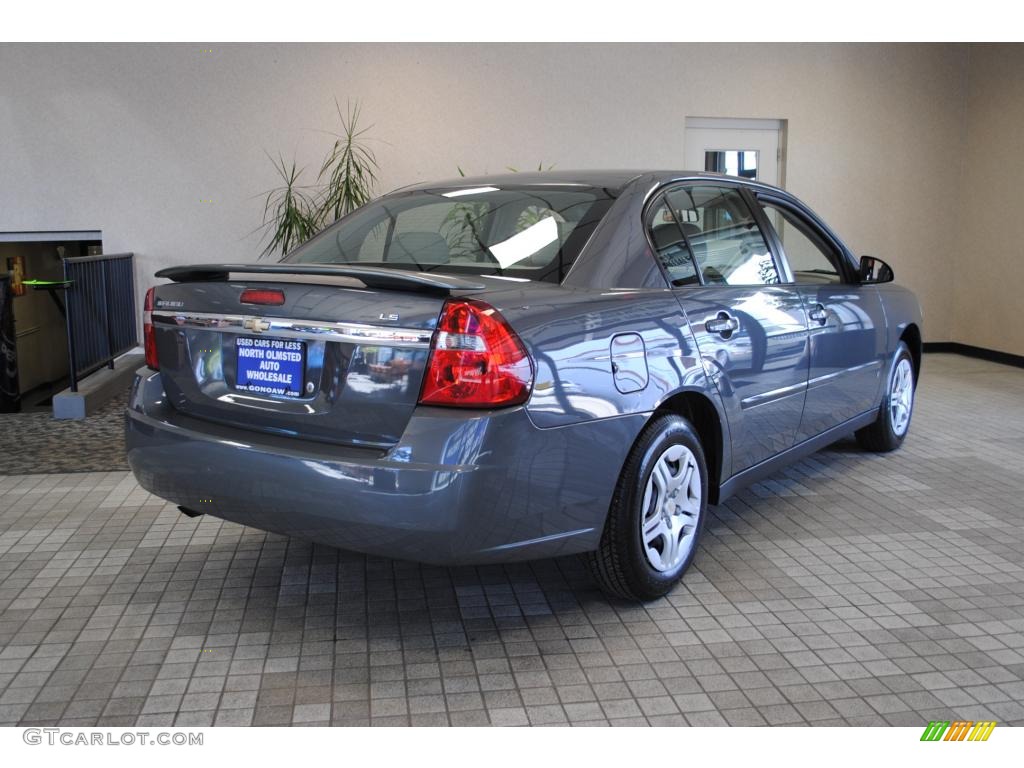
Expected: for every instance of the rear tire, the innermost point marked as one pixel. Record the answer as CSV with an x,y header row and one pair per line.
x,y
656,515
890,428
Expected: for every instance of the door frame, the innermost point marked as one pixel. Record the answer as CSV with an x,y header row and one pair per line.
x,y
746,124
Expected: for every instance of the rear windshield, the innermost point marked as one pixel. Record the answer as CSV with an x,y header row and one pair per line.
x,y
534,232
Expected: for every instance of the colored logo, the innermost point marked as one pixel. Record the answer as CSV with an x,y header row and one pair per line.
x,y
958,730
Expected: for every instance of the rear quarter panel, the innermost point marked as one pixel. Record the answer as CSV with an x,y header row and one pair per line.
x,y
569,334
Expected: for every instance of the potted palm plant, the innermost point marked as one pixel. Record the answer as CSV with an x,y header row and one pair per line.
x,y
293,212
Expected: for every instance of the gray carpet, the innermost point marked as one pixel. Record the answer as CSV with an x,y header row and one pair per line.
x,y
32,443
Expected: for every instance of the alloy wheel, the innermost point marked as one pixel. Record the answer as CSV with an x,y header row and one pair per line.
x,y
901,396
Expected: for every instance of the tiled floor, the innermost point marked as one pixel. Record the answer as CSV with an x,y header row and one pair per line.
x,y
851,589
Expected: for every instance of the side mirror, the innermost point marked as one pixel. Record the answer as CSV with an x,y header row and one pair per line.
x,y
874,270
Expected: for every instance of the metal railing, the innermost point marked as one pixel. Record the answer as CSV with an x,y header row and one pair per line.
x,y
100,316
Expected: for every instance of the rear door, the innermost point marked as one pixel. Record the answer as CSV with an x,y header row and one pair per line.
x,y
749,326
845,319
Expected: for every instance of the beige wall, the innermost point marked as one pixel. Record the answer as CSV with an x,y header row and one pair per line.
x,y
988,267
130,139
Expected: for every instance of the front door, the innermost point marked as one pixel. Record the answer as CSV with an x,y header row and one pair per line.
x,y
749,328
844,319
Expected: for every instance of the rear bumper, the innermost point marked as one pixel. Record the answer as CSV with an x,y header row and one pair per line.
x,y
458,488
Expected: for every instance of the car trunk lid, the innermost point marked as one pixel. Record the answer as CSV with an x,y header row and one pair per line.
x,y
336,356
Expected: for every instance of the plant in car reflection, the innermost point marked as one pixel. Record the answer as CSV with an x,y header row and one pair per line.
x,y
462,226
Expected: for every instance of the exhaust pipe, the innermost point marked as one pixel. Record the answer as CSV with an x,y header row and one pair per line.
x,y
190,512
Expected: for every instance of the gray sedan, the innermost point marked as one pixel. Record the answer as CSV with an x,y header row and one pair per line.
x,y
523,366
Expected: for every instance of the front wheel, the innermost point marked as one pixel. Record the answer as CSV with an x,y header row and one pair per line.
x,y
656,515
893,422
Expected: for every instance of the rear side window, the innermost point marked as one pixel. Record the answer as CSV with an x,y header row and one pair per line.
x,y
670,244
723,236
532,232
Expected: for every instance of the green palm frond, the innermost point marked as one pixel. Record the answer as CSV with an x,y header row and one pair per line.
x,y
294,212
350,168
289,211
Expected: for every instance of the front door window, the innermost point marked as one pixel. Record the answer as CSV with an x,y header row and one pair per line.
x,y
811,260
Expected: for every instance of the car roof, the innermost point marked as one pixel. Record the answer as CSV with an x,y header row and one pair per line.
x,y
613,179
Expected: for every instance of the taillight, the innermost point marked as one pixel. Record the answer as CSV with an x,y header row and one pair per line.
x,y
268,296
476,360
148,337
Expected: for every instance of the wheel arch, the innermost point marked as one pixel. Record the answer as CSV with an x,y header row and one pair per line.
x,y
911,336
701,412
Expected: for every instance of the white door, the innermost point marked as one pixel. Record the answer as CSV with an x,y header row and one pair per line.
x,y
747,148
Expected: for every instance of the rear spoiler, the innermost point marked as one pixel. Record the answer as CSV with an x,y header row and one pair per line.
x,y
371,277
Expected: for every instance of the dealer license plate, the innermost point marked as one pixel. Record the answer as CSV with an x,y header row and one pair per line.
x,y
270,366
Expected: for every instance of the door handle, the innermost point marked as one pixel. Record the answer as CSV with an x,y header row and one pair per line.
x,y
723,324
819,314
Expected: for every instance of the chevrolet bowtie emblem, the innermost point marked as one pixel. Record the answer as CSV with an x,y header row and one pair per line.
x,y
256,325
